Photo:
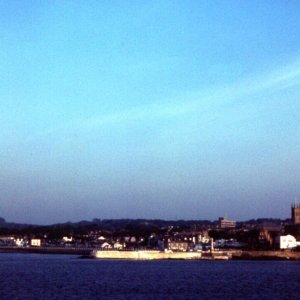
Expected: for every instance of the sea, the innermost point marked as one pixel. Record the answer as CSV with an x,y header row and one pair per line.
x,y
44,276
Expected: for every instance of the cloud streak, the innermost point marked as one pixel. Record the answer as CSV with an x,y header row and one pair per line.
x,y
193,102
283,77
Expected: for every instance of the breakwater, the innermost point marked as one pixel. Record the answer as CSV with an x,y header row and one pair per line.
x,y
144,255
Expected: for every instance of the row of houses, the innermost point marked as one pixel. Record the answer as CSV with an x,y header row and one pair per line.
x,y
226,234
175,243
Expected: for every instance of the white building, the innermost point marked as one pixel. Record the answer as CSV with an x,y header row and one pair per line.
x,y
67,239
288,242
106,245
226,224
35,243
21,242
118,246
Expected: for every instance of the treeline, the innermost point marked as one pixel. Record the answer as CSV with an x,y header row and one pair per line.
x,y
120,227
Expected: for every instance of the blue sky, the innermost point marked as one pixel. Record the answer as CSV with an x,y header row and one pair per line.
x,y
149,109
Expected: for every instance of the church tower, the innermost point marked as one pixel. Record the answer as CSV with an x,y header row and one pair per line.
x,y
296,214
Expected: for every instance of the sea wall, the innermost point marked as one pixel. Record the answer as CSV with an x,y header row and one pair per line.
x,y
145,255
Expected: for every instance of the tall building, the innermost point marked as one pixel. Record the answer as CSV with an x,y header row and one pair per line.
x,y
226,224
296,213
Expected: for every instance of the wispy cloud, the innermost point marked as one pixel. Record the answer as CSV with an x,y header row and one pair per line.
x,y
139,113
282,77
279,78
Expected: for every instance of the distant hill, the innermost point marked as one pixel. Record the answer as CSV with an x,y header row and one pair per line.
x,y
4,224
120,227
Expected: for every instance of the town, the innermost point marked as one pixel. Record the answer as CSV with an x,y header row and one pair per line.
x,y
177,236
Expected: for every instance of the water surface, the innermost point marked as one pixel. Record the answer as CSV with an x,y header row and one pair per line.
x,y
40,276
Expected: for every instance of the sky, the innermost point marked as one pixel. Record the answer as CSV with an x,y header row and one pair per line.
x,y
149,109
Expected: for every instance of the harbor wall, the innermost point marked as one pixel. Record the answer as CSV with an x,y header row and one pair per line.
x,y
145,255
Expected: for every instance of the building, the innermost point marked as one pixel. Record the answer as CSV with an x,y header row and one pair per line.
x,y
296,214
35,243
266,239
287,242
178,246
118,246
67,239
226,224
7,241
106,246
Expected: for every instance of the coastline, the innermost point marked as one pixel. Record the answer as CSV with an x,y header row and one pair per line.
x,y
47,250
142,255
266,255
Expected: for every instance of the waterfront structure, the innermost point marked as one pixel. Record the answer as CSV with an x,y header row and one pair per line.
x,y
226,224
7,241
288,242
296,214
106,245
118,246
67,239
265,239
178,246
145,255
35,243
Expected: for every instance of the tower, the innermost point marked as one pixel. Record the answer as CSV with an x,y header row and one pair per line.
x,y
296,213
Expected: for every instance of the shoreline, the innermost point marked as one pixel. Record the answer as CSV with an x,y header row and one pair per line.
x,y
111,254
266,255
47,250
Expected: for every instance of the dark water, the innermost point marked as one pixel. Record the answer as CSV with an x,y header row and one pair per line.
x,y
35,276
